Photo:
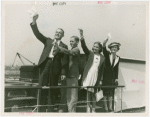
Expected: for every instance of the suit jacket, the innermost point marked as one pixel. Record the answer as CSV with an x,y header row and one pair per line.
x,y
89,63
60,60
74,59
110,72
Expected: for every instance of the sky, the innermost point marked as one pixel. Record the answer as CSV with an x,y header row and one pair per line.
x,y
125,22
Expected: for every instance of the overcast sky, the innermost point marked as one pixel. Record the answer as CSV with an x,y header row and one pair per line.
x,y
126,23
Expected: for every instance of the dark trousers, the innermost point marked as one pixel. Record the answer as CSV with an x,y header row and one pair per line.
x,y
47,78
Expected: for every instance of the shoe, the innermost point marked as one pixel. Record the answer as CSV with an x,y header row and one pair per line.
x,y
106,111
60,111
93,110
111,111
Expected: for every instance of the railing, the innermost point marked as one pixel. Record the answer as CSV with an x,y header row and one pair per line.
x,y
58,87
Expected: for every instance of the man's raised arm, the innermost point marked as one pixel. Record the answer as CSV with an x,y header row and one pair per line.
x,y
36,32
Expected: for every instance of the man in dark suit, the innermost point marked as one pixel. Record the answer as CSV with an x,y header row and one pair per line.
x,y
52,64
73,73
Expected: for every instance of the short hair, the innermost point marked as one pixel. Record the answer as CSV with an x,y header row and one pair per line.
x,y
76,38
117,47
100,46
62,30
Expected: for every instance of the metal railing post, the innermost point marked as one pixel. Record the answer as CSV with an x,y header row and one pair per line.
x,y
87,99
38,95
121,99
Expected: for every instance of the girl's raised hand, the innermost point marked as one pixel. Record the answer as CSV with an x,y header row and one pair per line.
x,y
104,43
81,32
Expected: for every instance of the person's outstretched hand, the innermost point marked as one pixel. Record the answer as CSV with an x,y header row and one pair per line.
x,y
63,77
104,43
81,32
116,82
35,18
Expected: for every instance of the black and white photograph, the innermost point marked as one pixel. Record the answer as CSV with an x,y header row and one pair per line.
x,y
75,57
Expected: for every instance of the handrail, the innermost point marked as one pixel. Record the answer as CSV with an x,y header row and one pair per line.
x,y
57,87
53,87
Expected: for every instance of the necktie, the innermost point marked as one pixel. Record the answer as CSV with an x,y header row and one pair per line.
x,y
55,50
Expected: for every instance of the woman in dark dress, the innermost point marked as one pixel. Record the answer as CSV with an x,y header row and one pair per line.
x,y
110,77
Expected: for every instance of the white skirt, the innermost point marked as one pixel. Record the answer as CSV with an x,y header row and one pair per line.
x,y
91,78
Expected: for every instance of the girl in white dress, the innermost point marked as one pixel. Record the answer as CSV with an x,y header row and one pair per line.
x,y
91,78
93,71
